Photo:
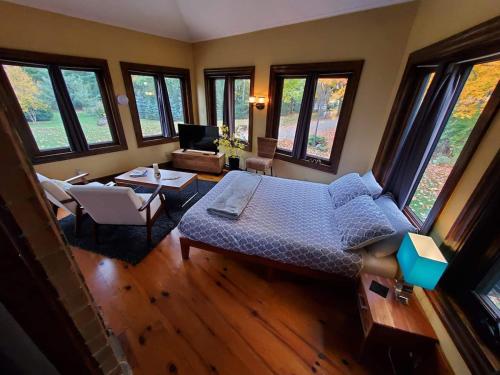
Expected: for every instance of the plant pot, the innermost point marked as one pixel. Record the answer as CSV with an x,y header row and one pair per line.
x,y
234,163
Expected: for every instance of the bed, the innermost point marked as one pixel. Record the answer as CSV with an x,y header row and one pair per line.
x,y
287,224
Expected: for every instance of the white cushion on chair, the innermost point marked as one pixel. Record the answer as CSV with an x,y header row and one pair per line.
x,y
116,205
55,191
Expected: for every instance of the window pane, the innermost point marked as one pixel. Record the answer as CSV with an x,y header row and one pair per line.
x,y
146,100
325,115
85,95
35,93
291,100
175,97
220,84
241,108
471,102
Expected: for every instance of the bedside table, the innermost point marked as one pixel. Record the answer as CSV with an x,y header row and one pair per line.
x,y
388,322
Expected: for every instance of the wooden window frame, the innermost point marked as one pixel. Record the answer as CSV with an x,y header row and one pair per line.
x,y
473,244
312,71
229,74
54,64
166,119
471,44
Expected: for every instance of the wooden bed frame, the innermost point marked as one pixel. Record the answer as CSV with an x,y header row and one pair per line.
x,y
187,243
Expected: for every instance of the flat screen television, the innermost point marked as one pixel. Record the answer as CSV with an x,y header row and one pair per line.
x,y
198,137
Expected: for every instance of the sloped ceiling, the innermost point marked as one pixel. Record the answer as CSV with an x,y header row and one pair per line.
x,y
198,20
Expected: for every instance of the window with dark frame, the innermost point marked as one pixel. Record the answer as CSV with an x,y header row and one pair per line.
x,y
309,110
436,134
227,91
160,100
65,106
462,114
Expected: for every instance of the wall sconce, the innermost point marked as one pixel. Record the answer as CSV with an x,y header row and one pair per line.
x,y
259,102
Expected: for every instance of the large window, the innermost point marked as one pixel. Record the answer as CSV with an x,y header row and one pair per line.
x,y
160,100
310,106
227,93
479,84
65,105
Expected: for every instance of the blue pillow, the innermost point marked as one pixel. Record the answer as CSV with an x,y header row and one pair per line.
x,y
371,183
346,188
361,222
400,223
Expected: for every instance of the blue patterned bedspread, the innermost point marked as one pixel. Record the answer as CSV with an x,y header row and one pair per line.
x,y
288,221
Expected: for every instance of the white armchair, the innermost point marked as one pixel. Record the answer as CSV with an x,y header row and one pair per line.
x,y
118,205
56,192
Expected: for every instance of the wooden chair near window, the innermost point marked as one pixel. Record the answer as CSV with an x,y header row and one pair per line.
x,y
56,192
266,148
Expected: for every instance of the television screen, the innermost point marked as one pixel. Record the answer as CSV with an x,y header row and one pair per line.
x,y
198,137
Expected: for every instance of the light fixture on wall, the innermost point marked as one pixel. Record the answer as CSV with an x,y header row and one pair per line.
x,y
122,99
260,102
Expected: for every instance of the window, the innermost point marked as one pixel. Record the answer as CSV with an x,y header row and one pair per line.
x,y
65,105
477,90
227,93
160,100
309,110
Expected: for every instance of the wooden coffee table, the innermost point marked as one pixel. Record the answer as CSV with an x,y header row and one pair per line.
x,y
179,182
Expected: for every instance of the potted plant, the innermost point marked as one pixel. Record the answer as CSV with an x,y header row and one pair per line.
x,y
231,147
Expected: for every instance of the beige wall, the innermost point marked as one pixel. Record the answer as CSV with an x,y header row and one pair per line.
x,y
382,37
366,35
436,20
31,29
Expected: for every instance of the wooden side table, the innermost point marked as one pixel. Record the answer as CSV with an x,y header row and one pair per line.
x,y
389,322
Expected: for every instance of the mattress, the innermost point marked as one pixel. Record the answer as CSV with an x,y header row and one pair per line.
x,y
288,221
385,267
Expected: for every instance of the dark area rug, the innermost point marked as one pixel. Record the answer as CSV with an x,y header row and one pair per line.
x,y
128,243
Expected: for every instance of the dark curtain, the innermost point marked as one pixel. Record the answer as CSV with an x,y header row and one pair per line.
x,y
419,139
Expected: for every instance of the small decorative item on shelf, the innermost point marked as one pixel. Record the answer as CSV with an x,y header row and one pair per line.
x,y
231,146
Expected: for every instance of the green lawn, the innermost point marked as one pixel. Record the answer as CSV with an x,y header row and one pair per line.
x,y
51,134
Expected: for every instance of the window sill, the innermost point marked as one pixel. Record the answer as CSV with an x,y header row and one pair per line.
x,y
41,159
305,163
146,142
414,220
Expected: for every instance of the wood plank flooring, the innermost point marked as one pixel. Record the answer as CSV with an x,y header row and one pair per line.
x,y
212,315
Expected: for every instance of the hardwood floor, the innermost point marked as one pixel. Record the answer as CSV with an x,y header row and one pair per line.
x,y
212,315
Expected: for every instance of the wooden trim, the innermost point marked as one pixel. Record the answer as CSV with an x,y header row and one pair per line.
x,y
470,147
229,74
480,40
158,72
475,206
312,71
473,43
470,259
55,62
187,243
462,336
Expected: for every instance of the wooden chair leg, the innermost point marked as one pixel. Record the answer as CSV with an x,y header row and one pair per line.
x,y
78,220
148,229
149,225
272,171
184,248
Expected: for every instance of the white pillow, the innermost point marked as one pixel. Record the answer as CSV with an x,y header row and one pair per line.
x,y
398,220
371,183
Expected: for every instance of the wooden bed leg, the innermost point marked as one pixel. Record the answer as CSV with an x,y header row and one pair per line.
x,y
270,274
185,248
